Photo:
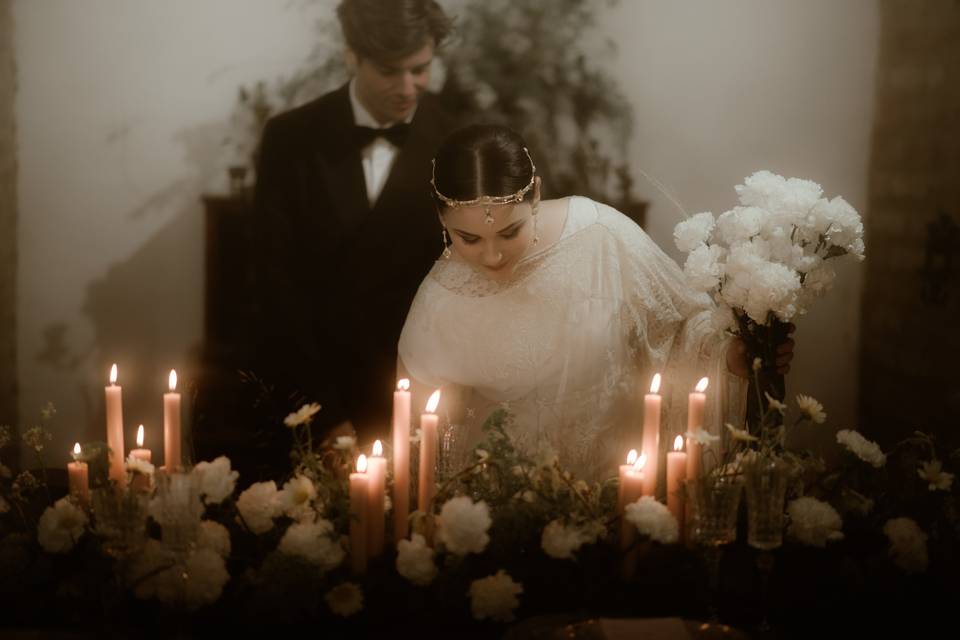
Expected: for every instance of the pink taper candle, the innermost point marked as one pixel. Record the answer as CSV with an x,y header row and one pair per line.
x,y
171,426
114,398
376,471
79,475
624,470
632,491
676,474
359,503
428,453
401,460
651,436
141,481
695,406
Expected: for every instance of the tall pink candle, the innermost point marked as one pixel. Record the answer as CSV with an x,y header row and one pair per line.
x,y
428,453
651,436
676,474
359,504
114,398
401,460
695,407
171,426
632,491
79,474
624,469
377,472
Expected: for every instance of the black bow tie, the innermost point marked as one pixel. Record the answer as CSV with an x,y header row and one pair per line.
x,y
397,134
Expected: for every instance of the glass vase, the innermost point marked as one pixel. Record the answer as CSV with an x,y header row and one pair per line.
x,y
765,484
120,519
716,503
178,510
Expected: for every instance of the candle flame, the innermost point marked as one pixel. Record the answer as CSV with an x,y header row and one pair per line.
x,y
377,448
678,443
702,385
640,463
113,374
173,380
632,456
403,384
433,401
140,437
362,464
655,384
76,449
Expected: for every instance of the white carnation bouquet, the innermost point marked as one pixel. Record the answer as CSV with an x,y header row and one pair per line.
x,y
766,260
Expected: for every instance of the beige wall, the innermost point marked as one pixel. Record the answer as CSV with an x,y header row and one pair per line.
x,y
723,89
8,224
121,109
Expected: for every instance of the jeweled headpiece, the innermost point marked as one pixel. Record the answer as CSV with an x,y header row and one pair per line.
x,y
486,201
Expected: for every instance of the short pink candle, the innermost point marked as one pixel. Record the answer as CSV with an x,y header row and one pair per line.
x,y
377,472
171,426
79,474
141,481
624,470
428,453
359,504
651,436
695,407
401,460
632,491
676,474
114,399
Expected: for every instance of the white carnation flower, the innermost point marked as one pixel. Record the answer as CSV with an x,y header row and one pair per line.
x,y
215,480
138,465
214,536
813,522
561,541
303,415
840,223
345,599
206,573
296,498
495,597
866,450
811,408
653,520
415,560
61,526
703,268
740,224
933,473
787,200
194,582
258,506
463,525
693,231
309,541
908,544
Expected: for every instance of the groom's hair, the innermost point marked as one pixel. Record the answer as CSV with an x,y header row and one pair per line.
x,y
481,160
384,30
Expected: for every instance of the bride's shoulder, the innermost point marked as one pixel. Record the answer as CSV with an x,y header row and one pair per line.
x,y
587,212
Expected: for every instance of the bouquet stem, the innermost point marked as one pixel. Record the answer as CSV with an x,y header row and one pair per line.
x,y
761,341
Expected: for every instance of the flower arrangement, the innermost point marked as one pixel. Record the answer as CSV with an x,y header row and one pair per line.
x,y
506,536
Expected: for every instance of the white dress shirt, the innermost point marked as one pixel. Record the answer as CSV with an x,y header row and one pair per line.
x,y
378,156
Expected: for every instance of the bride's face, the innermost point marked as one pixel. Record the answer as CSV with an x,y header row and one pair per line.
x,y
493,248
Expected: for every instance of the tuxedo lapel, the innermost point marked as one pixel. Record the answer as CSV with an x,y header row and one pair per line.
x,y
338,162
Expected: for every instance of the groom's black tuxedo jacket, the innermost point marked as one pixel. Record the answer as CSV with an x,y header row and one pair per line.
x,y
335,276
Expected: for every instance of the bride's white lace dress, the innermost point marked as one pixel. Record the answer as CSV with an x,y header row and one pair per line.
x,y
569,345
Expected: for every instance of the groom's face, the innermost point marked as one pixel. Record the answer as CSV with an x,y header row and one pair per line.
x,y
390,89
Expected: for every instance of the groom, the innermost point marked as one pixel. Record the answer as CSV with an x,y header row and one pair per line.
x,y
346,227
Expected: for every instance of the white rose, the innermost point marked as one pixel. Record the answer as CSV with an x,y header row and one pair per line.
x,y
463,525
258,506
61,526
415,560
215,479
495,597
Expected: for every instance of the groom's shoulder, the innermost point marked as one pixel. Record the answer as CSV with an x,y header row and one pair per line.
x,y
329,110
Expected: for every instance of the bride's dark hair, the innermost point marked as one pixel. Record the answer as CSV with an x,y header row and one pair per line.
x,y
481,160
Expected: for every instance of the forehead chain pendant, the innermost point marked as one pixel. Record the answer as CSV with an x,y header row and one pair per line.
x,y
488,219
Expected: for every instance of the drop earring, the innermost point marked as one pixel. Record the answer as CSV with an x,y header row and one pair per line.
x,y
536,235
446,246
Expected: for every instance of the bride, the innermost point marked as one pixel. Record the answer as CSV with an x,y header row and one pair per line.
x,y
560,311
